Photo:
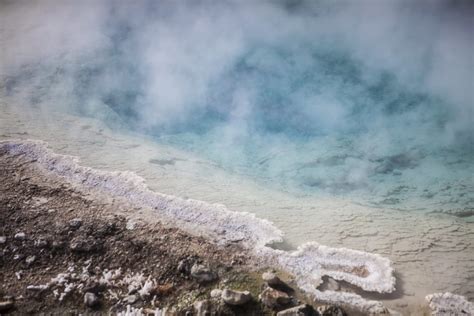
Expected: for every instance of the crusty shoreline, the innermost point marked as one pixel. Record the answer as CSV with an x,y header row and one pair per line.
x,y
66,249
50,229
41,214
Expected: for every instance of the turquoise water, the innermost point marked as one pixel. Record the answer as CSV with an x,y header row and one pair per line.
x,y
346,123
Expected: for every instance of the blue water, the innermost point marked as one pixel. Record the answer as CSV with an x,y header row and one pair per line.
x,y
292,108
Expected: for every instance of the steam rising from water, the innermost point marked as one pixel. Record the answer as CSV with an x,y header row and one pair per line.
x,y
350,97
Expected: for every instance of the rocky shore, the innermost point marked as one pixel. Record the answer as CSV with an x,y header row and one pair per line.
x,y
64,252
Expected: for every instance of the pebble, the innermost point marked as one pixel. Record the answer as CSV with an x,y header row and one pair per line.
x,y
232,297
216,293
301,310
84,245
3,239
203,308
202,273
131,299
20,236
331,310
41,243
75,223
333,285
273,298
90,299
30,259
51,210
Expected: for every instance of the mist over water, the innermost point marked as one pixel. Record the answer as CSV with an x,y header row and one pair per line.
x,y
349,123
361,99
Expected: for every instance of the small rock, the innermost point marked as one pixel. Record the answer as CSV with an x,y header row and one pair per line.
x,y
273,298
202,273
41,243
131,299
6,306
164,289
203,308
51,210
333,285
301,310
272,279
18,256
75,223
20,236
216,293
90,299
184,266
57,244
3,239
331,310
84,245
235,297
130,225
30,259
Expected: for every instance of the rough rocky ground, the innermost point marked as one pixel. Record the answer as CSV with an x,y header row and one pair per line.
x,y
57,244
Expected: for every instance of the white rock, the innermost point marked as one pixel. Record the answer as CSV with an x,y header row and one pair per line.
x,y
20,236
235,297
215,293
202,273
3,239
30,259
301,310
90,299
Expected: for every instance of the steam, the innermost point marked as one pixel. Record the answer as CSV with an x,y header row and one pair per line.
x,y
277,75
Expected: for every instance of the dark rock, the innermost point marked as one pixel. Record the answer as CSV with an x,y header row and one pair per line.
x,y
202,274
275,282
6,306
331,310
184,266
235,297
273,298
301,310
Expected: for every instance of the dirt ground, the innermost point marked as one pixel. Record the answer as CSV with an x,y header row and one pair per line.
x,y
56,245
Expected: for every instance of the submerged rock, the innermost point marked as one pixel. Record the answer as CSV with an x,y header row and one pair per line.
x,y
301,310
273,298
202,274
232,297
